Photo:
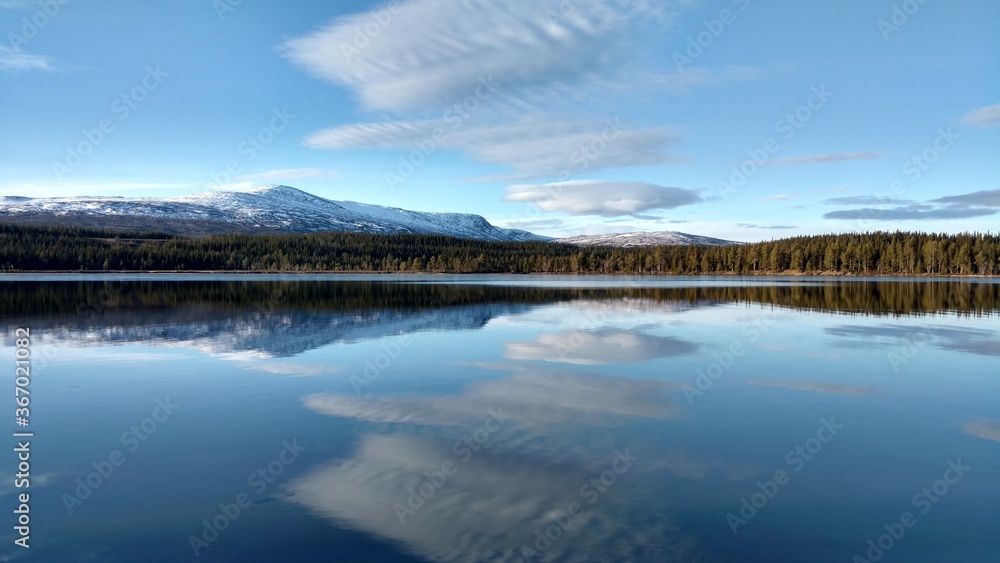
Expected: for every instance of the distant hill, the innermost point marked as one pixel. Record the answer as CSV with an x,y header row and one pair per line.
x,y
659,238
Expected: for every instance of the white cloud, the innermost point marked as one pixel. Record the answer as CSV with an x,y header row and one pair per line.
x,y
245,182
976,204
490,505
16,60
988,116
917,212
288,174
682,81
391,134
528,224
233,186
532,467
256,362
599,347
425,52
824,158
771,227
984,198
530,147
72,189
596,197
986,429
536,398
816,387
420,57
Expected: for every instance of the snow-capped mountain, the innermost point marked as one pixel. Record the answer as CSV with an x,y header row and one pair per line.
x,y
283,209
268,209
659,238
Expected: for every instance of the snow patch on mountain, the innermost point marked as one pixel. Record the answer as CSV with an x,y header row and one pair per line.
x,y
659,238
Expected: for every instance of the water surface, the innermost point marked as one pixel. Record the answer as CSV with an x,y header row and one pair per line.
x,y
489,418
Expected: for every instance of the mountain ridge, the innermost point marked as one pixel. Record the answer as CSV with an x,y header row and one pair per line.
x,y
278,208
654,238
269,209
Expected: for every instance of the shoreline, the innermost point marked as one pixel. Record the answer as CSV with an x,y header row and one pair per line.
x,y
789,274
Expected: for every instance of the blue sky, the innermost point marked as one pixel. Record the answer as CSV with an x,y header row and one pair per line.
x,y
739,119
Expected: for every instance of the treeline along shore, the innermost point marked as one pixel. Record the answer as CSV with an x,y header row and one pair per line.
x,y
33,249
81,302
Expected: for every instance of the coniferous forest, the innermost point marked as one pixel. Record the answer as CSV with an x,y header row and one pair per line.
x,y
29,248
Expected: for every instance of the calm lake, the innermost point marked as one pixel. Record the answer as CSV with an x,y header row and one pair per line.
x,y
498,418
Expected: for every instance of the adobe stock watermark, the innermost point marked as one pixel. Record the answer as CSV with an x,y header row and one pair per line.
x,y
391,350
924,500
913,169
122,107
225,7
587,154
566,9
704,380
253,146
580,160
590,491
451,120
43,356
464,449
795,459
911,346
714,28
900,16
786,127
258,481
365,34
268,308
96,305
32,25
576,340
105,468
